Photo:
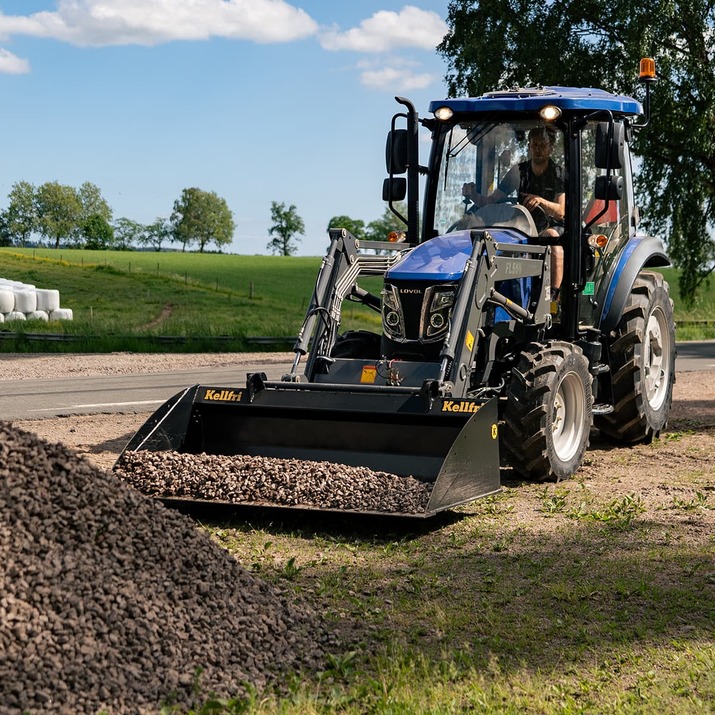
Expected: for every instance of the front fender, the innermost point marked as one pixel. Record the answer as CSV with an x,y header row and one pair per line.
x,y
640,252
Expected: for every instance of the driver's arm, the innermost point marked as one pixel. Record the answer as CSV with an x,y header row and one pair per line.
x,y
507,186
555,209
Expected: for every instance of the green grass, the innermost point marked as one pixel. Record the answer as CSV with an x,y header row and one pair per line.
x,y
579,611
122,299
698,322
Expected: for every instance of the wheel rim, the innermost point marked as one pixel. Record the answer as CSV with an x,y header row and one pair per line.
x,y
656,360
568,423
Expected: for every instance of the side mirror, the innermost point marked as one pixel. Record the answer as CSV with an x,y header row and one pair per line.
x,y
609,188
396,152
607,149
394,189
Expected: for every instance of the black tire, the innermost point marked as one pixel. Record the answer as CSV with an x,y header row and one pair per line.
x,y
642,356
548,412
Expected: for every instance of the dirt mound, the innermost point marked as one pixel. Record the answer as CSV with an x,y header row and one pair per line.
x,y
109,600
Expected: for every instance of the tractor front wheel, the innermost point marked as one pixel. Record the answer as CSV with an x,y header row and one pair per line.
x,y
548,412
642,356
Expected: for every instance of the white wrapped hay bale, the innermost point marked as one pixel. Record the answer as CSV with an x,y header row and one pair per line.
x,y
2,318
7,300
48,299
14,315
25,301
38,315
61,314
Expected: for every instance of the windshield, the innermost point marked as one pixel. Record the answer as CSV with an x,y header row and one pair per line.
x,y
486,163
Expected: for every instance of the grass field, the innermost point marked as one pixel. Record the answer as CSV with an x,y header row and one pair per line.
x,y
121,299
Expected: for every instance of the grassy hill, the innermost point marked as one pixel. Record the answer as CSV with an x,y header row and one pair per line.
x,y
120,299
123,300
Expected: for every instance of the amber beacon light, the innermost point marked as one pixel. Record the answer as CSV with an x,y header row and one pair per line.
x,y
647,70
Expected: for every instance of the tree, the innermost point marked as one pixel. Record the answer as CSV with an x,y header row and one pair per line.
x,y
356,226
59,211
5,235
97,233
20,217
127,232
202,217
287,224
93,203
156,233
595,43
379,229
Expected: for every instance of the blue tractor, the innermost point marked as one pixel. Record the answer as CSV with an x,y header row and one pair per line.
x,y
514,319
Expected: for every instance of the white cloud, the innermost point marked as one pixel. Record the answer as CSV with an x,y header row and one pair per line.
x,y
387,30
12,64
396,76
151,22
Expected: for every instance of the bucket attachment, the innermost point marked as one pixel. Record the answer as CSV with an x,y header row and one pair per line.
x,y
449,446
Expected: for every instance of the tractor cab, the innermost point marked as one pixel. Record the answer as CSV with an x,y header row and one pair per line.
x,y
550,165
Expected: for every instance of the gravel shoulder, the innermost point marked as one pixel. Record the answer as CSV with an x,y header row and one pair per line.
x,y
21,366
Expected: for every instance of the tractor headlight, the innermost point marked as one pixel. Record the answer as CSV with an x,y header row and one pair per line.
x,y
393,322
438,302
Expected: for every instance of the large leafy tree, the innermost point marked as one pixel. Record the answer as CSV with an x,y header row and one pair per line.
x,y
98,234
202,217
287,226
380,228
93,203
503,43
356,226
20,217
59,211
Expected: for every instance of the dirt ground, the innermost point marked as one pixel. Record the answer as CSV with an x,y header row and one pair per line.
x,y
679,466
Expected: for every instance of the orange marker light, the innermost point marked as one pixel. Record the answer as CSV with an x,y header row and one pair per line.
x,y
647,69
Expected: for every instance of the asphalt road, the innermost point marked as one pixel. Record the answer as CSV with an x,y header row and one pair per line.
x,y
33,399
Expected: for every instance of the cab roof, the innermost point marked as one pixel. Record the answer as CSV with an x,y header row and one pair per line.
x,y
532,99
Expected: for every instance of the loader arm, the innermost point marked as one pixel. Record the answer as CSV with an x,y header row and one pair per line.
x,y
491,263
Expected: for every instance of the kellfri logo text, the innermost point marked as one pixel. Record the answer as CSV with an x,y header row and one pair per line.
x,y
222,395
459,406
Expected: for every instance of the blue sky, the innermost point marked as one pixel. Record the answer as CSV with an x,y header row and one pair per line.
x,y
257,100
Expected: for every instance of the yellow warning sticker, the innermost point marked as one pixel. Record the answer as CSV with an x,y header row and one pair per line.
x,y
495,431
369,373
470,340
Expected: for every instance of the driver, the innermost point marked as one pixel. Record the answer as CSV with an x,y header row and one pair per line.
x,y
540,184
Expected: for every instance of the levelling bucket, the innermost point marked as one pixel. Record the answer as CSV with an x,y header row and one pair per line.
x,y
449,444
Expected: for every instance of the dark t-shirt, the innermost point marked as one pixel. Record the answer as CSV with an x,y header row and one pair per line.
x,y
547,185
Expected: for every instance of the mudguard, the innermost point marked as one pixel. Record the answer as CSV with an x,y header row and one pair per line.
x,y
640,252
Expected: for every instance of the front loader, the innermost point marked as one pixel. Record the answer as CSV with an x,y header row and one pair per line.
x,y
479,360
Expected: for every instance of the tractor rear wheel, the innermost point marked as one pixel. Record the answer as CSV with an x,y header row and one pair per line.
x,y
642,355
548,412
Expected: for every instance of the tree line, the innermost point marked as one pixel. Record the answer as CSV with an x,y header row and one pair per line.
x,y
59,215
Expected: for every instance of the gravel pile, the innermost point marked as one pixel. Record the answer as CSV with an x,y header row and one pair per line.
x,y
287,482
110,601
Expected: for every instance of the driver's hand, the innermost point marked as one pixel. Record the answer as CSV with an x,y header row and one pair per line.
x,y
469,190
531,201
